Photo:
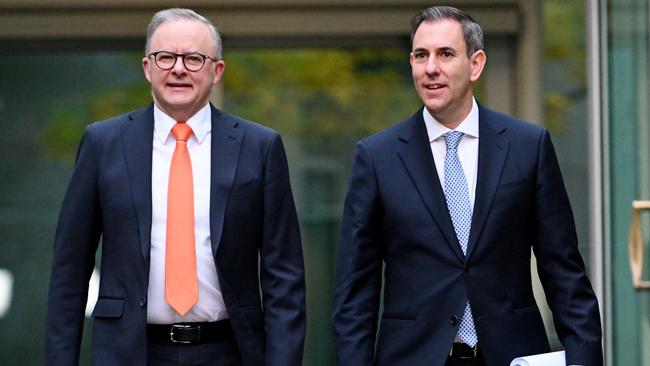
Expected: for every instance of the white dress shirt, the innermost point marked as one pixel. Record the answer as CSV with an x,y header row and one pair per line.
x,y
467,148
210,305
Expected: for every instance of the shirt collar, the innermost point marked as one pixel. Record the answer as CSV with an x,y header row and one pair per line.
x,y
469,126
201,123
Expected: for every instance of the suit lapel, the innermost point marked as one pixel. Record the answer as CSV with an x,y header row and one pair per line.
x,y
226,145
492,152
137,136
415,153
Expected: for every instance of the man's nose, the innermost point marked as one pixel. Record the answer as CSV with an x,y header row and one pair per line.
x,y
432,66
179,65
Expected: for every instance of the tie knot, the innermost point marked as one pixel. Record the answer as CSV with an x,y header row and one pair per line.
x,y
182,131
452,139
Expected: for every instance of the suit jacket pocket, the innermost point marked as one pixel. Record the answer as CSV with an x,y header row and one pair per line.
x,y
391,322
397,316
108,308
511,187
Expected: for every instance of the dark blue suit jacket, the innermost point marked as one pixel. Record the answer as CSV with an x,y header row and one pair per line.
x,y
252,216
396,220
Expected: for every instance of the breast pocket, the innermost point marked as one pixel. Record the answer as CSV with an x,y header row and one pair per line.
x,y
514,187
108,308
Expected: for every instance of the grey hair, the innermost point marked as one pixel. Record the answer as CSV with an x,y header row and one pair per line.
x,y
174,14
471,29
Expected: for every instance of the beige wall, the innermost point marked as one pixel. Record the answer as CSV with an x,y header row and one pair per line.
x,y
78,18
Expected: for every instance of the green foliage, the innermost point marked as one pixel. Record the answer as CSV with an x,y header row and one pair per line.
x,y
61,136
565,60
62,133
321,96
110,103
564,29
556,105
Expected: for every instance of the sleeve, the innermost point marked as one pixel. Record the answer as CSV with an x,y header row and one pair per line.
x,y
358,267
75,243
560,266
282,274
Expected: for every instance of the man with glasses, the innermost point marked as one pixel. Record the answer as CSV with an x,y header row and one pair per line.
x,y
201,260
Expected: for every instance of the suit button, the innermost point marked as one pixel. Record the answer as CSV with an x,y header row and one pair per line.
x,y
454,320
466,270
143,301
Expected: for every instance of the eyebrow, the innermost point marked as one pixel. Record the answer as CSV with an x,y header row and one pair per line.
x,y
447,49
440,49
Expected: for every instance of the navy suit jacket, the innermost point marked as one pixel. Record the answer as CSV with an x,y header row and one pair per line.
x,y
255,243
396,220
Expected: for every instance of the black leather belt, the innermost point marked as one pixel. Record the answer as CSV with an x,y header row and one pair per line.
x,y
463,351
191,333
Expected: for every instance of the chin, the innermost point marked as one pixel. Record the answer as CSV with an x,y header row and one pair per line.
x,y
432,102
179,102
434,108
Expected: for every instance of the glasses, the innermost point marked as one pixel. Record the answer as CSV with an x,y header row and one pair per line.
x,y
192,61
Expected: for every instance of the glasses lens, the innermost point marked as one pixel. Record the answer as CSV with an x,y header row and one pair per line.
x,y
193,61
165,60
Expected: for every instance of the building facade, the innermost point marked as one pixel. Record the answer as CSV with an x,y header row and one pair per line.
x,y
325,73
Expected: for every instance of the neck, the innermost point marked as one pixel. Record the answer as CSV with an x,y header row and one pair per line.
x,y
452,119
179,115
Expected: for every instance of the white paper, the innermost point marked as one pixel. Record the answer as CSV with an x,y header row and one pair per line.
x,y
544,359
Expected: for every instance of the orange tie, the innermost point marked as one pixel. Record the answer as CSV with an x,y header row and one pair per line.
x,y
181,284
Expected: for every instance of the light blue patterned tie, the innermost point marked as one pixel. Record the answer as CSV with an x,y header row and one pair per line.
x,y
460,210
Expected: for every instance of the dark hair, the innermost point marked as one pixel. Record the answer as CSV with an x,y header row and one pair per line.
x,y
471,30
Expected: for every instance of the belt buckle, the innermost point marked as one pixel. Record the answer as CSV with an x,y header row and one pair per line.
x,y
179,326
473,356
463,357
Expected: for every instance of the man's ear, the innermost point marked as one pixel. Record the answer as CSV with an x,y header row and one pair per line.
x,y
477,61
146,64
219,67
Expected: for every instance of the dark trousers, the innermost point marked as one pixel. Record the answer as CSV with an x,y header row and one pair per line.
x,y
217,353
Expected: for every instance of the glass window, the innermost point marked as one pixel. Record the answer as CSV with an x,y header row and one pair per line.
x,y
46,99
626,96
321,100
